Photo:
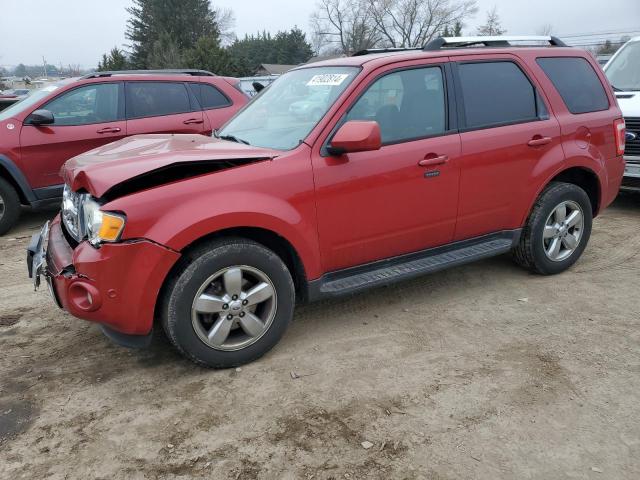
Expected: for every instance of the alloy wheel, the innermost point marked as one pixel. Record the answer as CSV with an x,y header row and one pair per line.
x,y
234,308
563,231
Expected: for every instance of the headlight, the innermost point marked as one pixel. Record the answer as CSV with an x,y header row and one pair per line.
x,y
71,212
101,226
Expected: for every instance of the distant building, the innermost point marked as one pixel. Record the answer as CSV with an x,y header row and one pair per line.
x,y
267,69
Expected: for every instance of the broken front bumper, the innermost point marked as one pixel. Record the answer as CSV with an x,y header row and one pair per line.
x,y
116,285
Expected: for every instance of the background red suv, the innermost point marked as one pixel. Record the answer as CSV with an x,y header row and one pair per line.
x,y
62,120
420,160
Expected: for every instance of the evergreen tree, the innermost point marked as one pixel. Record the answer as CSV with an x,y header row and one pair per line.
x,y
289,48
115,60
165,53
292,47
177,24
208,55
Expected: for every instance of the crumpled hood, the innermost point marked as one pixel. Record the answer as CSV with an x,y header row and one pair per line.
x,y
139,156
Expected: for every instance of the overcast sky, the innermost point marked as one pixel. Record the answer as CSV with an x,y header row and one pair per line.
x,y
79,31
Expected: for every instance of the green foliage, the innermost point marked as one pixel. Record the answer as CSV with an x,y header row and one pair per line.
x,y
165,53
208,55
176,24
288,48
115,60
186,34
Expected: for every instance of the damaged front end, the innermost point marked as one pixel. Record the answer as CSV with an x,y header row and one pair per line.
x,y
100,284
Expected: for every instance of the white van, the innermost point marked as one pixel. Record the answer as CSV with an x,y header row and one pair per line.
x,y
623,72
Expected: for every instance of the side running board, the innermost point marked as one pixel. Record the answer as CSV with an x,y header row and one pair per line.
x,y
385,272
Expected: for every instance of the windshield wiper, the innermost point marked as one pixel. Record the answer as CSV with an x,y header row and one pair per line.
x,y
232,138
616,89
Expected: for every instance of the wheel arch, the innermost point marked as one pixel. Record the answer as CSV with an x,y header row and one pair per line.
x,y
12,174
269,239
583,177
265,237
586,179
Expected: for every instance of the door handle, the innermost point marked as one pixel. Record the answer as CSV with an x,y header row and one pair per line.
x,y
539,140
432,159
193,120
109,130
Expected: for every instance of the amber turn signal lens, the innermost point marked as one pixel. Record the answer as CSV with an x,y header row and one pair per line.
x,y
111,227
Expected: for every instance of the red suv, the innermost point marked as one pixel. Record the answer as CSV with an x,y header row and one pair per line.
x,y
420,160
62,120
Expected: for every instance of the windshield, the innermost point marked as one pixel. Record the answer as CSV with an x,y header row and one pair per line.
x,y
26,102
283,115
623,71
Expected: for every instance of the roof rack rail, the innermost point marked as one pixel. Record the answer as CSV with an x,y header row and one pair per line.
x,y
192,72
369,51
498,41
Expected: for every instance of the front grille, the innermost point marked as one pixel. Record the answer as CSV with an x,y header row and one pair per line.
x,y
633,125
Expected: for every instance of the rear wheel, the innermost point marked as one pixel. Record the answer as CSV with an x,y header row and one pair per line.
x,y
557,230
229,305
9,206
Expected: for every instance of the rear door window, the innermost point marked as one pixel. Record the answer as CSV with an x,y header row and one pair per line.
x,y
208,96
576,82
152,99
496,93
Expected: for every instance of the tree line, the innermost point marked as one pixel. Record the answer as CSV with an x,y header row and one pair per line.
x,y
192,34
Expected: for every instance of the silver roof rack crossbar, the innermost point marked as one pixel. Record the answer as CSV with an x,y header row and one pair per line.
x,y
370,51
497,41
192,72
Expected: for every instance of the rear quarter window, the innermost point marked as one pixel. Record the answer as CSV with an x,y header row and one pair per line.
x,y
576,82
209,96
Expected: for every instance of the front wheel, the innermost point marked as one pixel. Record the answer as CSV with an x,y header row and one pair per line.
x,y
557,230
229,305
9,206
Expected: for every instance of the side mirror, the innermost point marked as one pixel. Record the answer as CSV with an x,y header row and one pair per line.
x,y
40,117
356,136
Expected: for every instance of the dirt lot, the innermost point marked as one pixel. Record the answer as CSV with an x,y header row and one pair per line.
x,y
480,372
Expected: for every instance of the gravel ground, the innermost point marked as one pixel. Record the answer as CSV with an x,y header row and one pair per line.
x,y
482,372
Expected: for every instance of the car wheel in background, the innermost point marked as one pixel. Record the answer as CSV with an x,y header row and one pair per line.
x,y
229,305
557,230
9,206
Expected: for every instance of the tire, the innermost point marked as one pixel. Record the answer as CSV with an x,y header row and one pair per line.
x,y
204,276
535,251
9,206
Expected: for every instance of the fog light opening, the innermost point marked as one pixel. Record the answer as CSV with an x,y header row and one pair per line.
x,y
84,297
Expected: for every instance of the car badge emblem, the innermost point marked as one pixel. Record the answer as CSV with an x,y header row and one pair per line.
x,y
10,126
630,136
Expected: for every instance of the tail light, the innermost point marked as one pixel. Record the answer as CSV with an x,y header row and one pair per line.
x,y
619,131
